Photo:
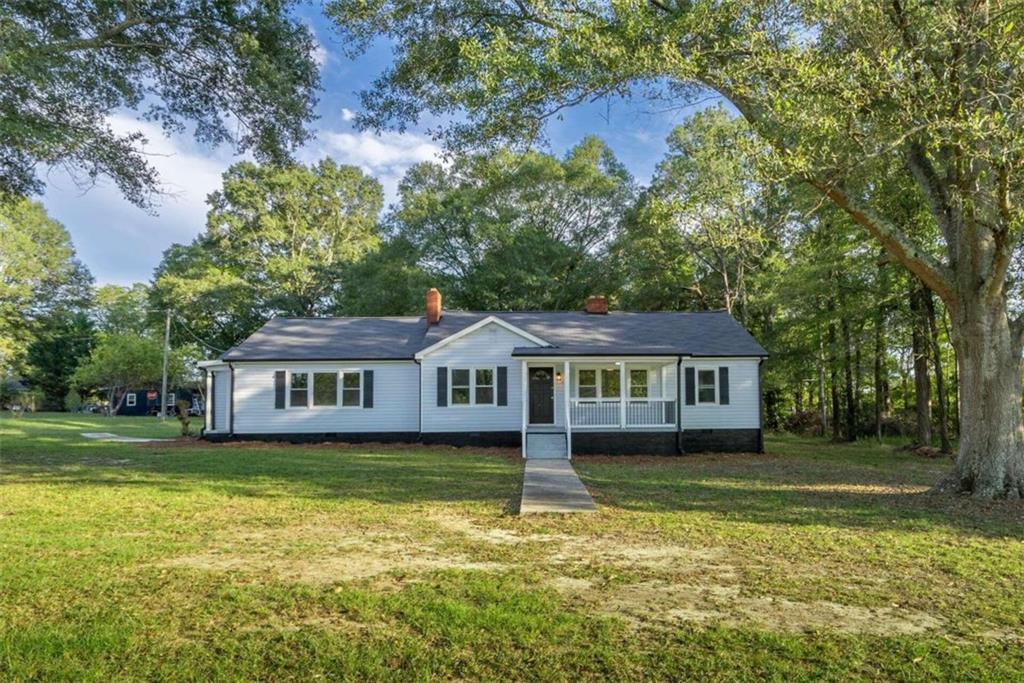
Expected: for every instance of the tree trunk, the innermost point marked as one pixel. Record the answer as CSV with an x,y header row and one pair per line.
x,y
833,378
851,407
990,462
879,365
823,412
922,378
940,380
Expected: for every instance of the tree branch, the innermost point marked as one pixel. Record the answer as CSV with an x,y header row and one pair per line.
x,y
938,277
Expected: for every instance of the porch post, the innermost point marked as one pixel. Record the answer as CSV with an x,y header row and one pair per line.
x,y
524,391
623,392
566,387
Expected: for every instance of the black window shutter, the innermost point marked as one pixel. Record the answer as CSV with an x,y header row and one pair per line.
x,y
691,387
723,386
279,389
210,400
442,387
502,385
367,388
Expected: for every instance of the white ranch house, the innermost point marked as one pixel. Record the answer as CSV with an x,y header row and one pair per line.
x,y
552,383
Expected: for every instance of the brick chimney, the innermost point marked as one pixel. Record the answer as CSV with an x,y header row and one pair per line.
x,y
433,306
597,305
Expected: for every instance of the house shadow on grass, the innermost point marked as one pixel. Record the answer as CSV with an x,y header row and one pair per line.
x,y
368,472
794,491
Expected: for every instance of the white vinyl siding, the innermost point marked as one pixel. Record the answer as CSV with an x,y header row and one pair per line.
x,y
394,400
743,410
488,347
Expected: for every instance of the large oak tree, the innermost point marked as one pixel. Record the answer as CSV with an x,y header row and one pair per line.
x,y
854,95
238,72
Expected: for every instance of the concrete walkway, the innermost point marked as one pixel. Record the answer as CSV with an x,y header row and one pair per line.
x,y
107,436
551,485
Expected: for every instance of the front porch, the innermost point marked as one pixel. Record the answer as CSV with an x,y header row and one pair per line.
x,y
562,396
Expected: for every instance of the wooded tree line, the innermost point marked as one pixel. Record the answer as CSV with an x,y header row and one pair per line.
x,y
860,347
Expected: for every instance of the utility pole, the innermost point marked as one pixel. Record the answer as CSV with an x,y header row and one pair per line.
x,y
163,383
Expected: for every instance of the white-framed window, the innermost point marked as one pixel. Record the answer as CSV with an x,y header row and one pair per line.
x,y
172,399
351,389
298,390
598,382
472,386
129,400
325,389
707,385
639,383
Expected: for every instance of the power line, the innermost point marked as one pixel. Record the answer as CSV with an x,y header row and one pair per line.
x,y
196,337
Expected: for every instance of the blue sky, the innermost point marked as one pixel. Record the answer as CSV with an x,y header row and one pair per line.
x,y
122,244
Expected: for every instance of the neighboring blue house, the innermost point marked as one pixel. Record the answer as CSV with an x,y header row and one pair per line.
x,y
147,401
556,383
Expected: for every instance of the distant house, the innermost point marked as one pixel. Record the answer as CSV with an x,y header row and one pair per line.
x,y
553,383
146,401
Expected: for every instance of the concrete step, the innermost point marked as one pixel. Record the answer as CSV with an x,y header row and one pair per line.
x,y
545,446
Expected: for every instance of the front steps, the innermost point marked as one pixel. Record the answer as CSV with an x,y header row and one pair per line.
x,y
546,446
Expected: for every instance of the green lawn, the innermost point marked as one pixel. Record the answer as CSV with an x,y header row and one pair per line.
x,y
209,562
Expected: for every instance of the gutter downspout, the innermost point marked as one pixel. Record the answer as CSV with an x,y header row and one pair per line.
x,y
231,402
760,408
679,405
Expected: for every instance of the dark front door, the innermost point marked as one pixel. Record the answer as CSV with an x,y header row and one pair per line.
x,y
542,396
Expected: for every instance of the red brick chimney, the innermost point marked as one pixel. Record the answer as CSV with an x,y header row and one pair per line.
x,y
433,306
597,304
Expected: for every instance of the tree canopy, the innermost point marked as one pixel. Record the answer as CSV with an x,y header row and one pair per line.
x,y
277,242
236,72
505,231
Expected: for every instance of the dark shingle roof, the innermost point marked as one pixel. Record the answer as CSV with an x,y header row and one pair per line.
x,y
711,333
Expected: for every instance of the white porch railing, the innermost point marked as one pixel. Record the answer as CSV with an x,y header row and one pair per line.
x,y
607,412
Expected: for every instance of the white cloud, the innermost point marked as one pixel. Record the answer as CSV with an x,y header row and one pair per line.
x,y
347,114
386,156
120,242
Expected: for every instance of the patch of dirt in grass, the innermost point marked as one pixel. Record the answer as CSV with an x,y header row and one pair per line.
x,y
474,532
326,554
661,603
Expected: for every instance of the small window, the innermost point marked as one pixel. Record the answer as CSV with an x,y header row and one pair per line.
x,y
171,399
706,386
483,391
610,384
638,383
299,394
587,384
351,389
460,387
325,388
129,400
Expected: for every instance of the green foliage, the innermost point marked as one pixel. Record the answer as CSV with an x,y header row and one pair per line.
x,y
63,340
39,278
278,242
121,361
240,72
122,310
505,231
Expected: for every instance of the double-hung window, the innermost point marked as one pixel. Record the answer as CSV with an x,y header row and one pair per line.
x,y
351,389
298,390
638,383
587,383
129,400
471,387
325,389
706,386
598,383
